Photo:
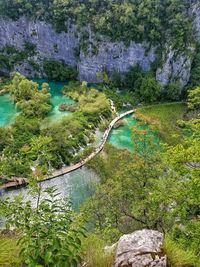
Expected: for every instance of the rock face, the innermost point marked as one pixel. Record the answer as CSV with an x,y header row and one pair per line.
x,y
109,56
175,67
140,249
115,56
195,11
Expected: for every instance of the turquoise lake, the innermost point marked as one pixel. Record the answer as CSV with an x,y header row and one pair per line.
x,y
120,137
77,185
8,110
57,98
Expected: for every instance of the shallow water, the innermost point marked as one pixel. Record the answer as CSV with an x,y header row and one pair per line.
x,y
77,186
121,137
57,98
7,110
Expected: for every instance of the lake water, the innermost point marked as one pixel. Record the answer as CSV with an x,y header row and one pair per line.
x,y
7,110
77,185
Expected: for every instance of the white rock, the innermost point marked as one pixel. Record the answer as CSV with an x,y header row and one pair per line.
x,y
140,249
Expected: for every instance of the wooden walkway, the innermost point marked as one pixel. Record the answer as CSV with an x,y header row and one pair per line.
x,y
97,150
71,168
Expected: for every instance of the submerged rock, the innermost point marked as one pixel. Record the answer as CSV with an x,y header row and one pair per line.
x,y
140,249
67,107
118,124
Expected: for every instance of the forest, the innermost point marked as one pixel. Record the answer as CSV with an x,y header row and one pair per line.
x,y
152,20
146,176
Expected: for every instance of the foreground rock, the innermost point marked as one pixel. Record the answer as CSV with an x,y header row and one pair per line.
x,y
140,249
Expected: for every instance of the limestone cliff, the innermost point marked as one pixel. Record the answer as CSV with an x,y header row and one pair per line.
x,y
109,56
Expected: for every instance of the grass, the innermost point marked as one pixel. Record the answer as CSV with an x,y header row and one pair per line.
x,y
9,252
179,257
94,254
163,118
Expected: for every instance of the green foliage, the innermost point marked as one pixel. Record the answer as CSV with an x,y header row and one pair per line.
x,y
92,103
177,256
71,132
148,89
164,119
195,70
9,252
154,21
189,236
83,154
10,55
94,253
28,143
49,234
156,189
58,71
120,202
28,98
194,98
142,86
172,92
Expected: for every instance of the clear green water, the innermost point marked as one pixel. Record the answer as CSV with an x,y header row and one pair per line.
x,y
56,100
77,185
7,110
121,137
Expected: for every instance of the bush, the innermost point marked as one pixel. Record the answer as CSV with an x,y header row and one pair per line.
x,y
58,71
148,89
49,235
9,252
178,256
94,254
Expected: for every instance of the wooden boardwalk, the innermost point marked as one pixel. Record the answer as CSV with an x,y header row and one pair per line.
x,y
97,150
74,167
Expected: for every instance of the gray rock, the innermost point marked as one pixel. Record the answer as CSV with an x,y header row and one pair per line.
x,y
109,56
115,56
176,68
195,11
140,249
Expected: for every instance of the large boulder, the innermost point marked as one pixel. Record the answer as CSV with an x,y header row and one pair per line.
x,y
140,249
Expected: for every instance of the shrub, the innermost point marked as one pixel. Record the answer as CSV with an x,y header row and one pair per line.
x,y
9,252
49,236
94,254
58,71
177,256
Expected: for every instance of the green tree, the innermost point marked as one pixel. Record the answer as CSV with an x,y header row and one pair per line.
x,y
194,98
21,88
59,71
120,203
50,234
148,90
